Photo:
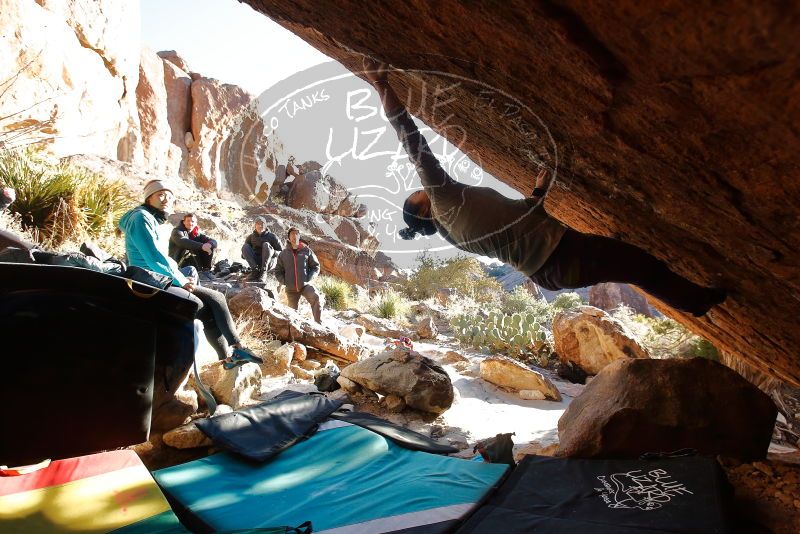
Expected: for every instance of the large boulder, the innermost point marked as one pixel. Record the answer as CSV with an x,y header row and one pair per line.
x,y
649,127
178,86
378,326
591,339
322,194
640,405
505,372
287,325
612,295
238,387
420,382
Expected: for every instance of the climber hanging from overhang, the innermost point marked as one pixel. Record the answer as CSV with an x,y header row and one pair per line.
x,y
519,232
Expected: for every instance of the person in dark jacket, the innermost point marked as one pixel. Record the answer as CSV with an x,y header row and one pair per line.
x,y
187,246
261,249
296,268
520,232
146,245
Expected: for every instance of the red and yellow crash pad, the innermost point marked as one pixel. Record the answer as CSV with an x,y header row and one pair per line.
x,y
106,492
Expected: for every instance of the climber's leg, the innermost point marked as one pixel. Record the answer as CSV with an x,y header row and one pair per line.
x,y
582,260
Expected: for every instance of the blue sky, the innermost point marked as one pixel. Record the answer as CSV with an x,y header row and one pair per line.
x,y
227,40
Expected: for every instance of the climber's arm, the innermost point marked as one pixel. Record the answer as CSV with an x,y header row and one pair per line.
x,y
428,167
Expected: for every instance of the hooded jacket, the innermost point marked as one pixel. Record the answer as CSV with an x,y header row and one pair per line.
x,y
256,241
181,242
296,267
147,244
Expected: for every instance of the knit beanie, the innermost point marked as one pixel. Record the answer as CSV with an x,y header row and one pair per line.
x,y
154,186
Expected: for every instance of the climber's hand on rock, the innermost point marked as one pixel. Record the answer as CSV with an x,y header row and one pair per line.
x,y
374,71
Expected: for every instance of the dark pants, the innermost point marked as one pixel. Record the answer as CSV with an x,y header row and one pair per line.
x,y
311,295
201,260
215,316
582,260
264,260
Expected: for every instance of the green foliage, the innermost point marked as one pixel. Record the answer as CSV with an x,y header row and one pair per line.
x,y
338,293
461,273
664,337
517,334
390,305
518,301
565,302
57,202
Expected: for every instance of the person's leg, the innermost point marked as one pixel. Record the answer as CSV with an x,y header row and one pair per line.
x,y
204,259
249,255
582,260
293,297
266,256
190,272
210,328
311,295
215,302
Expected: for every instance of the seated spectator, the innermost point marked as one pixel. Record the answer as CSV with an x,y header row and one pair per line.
x,y
187,246
261,249
146,244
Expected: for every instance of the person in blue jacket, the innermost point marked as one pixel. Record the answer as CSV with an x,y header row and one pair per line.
x,y
147,235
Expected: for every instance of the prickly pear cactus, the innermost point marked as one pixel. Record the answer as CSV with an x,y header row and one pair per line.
x,y
518,334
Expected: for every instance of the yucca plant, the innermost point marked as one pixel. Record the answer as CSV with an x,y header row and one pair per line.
x,y
102,202
338,293
45,200
390,305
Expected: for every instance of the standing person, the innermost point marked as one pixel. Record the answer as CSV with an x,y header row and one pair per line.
x,y
261,249
146,245
296,269
187,246
519,232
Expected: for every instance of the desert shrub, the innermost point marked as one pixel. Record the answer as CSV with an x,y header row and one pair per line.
x,y
59,202
461,273
390,305
338,293
663,337
518,301
565,302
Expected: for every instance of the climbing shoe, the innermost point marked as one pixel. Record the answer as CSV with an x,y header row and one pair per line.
x,y
239,357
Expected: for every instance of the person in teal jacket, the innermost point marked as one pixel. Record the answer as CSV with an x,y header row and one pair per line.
x,y
147,236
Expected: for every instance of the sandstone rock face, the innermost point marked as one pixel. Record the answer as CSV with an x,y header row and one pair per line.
x,y
591,339
287,325
624,102
417,380
151,99
637,406
171,56
178,86
230,149
69,72
505,372
611,295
